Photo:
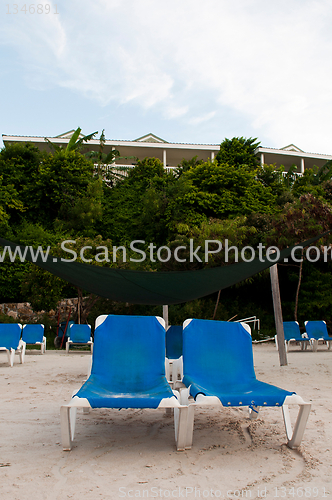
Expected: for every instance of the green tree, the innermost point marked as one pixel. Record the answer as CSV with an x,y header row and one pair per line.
x,y
238,151
8,201
135,207
70,194
24,281
186,165
222,191
20,169
305,218
279,181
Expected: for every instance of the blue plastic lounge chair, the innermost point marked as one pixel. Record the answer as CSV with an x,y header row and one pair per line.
x,y
34,335
128,371
317,331
79,335
174,364
292,334
219,370
11,342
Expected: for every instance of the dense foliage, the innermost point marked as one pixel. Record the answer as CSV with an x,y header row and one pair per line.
x,y
46,198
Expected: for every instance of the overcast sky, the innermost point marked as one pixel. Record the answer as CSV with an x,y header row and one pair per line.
x,y
187,70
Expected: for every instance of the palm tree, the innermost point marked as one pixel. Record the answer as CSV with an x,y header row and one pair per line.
x,y
74,144
105,162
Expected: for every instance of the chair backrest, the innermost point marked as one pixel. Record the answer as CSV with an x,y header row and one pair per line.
x,y
62,330
80,333
33,333
129,352
10,335
316,329
291,330
215,350
174,342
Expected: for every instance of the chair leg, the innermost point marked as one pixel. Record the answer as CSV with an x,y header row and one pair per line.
x,y
253,412
67,422
190,426
184,396
67,347
65,428
181,427
294,437
314,345
22,353
11,356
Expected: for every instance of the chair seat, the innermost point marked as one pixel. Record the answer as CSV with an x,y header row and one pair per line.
x,y
256,393
100,395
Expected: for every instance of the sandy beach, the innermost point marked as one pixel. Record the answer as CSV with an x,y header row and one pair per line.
x,y
131,453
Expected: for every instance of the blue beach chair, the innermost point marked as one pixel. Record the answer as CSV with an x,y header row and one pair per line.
x,y
317,331
34,335
219,370
79,335
11,342
128,371
292,334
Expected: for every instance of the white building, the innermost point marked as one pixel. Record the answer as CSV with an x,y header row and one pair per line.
x,y
171,154
291,155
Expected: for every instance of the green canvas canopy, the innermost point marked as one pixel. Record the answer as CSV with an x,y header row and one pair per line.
x,y
154,288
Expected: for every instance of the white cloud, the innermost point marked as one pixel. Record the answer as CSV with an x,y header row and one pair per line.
x,y
197,120
189,60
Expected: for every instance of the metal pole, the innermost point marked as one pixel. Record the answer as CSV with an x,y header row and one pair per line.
x,y
165,316
278,314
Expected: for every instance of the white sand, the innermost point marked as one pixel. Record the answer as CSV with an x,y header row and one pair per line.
x,y
131,453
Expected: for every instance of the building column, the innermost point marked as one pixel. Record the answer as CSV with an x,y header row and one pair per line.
x,y
164,158
212,155
262,159
302,166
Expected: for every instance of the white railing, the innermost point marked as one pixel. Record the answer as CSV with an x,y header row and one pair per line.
x,y
293,173
120,169
251,319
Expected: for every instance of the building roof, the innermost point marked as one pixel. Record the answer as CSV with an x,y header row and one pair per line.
x,y
152,145
292,150
150,138
146,141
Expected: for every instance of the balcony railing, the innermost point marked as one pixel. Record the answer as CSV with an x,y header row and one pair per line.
x,y
122,170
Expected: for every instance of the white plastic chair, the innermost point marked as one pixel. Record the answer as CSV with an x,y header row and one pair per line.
x,y
128,371
79,335
11,342
218,370
34,335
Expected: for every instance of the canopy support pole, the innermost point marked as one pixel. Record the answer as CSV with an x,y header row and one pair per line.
x,y
165,316
278,315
